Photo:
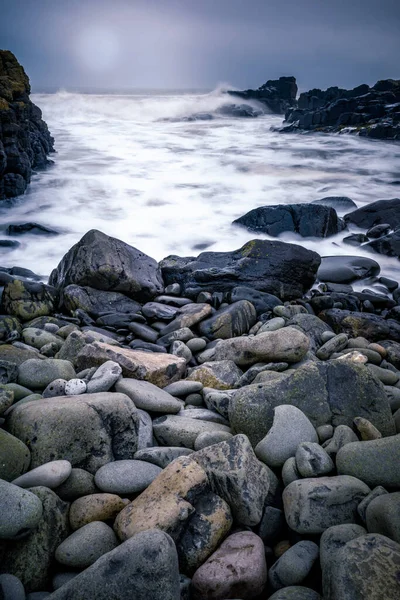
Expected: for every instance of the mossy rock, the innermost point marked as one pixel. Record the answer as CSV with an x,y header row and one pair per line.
x,y
28,299
15,457
10,329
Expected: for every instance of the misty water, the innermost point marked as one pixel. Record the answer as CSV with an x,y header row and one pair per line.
x,y
136,168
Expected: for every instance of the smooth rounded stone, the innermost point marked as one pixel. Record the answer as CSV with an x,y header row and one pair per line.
x,y
271,525
145,433
284,345
209,438
376,462
21,511
272,325
358,342
161,456
174,289
387,377
79,483
38,595
62,578
393,394
383,516
83,547
289,471
189,315
15,456
218,400
184,334
147,347
196,344
75,387
39,338
312,460
88,430
55,388
366,567
331,543
147,396
327,335
31,398
346,269
37,374
324,432
204,415
313,505
288,311
341,204
290,427
362,507
96,507
126,476
294,565
335,344
144,332
179,348
295,592
18,390
105,377
237,568
11,588
219,374
145,567
366,430
183,388
50,475
155,310
172,430
342,435
396,418
207,527
194,400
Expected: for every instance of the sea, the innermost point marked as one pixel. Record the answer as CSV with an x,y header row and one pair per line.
x,y
168,173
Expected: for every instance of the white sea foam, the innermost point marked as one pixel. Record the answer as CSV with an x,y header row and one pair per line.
x,y
167,187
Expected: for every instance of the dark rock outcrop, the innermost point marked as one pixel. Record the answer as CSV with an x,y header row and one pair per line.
x,y
285,270
308,220
278,95
370,112
25,140
376,213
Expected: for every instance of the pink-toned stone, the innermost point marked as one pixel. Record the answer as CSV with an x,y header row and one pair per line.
x,y
236,570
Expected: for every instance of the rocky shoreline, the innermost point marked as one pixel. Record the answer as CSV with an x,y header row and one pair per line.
x,y
220,426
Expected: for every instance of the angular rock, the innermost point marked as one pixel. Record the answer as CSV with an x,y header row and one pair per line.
x,y
375,462
285,270
231,321
189,315
375,213
97,302
162,456
28,299
236,569
374,327
219,374
313,505
144,567
285,345
307,220
159,369
106,263
89,430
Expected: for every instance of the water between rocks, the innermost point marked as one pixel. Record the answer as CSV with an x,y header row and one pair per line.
x,y
136,168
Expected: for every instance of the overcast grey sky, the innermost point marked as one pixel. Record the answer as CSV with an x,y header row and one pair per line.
x,y
201,43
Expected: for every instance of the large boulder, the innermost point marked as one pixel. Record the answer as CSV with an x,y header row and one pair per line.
x,y
106,263
89,430
285,270
307,220
27,300
317,389
375,213
362,324
97,302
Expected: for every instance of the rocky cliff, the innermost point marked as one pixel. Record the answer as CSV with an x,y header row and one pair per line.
x,y
278,95
371,112
25,140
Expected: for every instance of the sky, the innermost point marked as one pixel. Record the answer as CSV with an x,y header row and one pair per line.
x,y
200,44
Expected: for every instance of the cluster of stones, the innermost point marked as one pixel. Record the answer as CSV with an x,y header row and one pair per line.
x,y
199,428
25,140
372,112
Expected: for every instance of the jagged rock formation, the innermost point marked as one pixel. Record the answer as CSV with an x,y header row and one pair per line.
x,y
278,95
370,112
25,140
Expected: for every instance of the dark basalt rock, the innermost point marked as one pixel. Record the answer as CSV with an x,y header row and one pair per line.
x,y
360,324
285,270
277,94
388,244
35,228
106,263
97,302
340,203
261,301
376,213
370,112
308,220
25,140
345,269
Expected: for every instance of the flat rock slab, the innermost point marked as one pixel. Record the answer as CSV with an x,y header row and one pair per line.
x,y
144,567
148,396
157,368
313,505
89,430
